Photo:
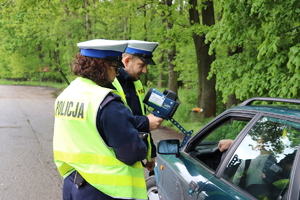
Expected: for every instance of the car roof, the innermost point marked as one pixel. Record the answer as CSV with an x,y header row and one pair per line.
x,y
288,107
270,109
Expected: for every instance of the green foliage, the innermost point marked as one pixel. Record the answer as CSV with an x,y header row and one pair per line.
x,y
229,130
268,34
46,34
256,43
188,96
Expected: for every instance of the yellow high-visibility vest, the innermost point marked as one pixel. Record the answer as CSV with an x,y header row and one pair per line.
x,y
140,91
77,144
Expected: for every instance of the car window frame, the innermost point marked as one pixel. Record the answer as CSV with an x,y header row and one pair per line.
x,y
293,190
243,134
209,127
203,132
231,150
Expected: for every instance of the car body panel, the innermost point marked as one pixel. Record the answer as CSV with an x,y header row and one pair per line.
x,y
171,169
181,177
175,167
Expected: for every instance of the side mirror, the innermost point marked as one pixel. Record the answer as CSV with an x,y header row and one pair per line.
x,y
170,146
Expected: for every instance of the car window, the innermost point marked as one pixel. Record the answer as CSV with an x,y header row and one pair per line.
x,y
262,163
206,149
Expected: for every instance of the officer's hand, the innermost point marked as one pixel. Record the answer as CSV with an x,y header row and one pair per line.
x,y
154,122
150,164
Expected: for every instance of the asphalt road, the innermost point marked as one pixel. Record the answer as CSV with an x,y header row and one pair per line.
x,y
27,169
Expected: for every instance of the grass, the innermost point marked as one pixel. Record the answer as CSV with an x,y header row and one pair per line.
x,y
187,119
191,125
33,83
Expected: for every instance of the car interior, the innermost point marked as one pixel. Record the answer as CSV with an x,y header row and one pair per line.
x,y
206,149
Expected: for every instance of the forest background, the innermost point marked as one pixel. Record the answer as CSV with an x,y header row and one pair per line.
x,y
213,53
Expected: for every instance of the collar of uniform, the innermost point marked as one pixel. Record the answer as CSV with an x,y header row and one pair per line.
x,y
110,86
123,75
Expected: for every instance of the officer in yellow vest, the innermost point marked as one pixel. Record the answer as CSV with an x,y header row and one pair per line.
x,y
96,144
136,58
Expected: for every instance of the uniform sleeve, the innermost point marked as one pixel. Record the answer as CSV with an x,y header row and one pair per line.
x,y
118,128
143,126
142,123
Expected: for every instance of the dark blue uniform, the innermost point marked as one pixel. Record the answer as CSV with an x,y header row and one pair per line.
x,y
134,103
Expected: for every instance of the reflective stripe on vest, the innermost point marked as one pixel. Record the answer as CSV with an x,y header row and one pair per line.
x,y
140,91
77,145
92,159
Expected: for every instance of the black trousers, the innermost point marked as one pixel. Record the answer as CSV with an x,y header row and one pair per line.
x,y
84,192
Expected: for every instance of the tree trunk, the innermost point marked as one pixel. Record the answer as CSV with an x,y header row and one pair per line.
x,y
87,21
124,29
206,88
172,74
162,66
232,100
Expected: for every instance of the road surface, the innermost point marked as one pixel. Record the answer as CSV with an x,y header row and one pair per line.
x,y
26,129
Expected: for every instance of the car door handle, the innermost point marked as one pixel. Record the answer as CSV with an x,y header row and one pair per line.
x,y
192,188
202,195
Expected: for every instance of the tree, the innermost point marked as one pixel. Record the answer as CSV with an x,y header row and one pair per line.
x,y
252,50
167,19
268,32
206,87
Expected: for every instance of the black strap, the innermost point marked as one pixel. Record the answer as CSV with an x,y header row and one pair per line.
x,y
107,99
242,183
79,180
110,97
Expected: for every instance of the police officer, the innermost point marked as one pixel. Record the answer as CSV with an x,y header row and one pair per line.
x,y
136,58
96,144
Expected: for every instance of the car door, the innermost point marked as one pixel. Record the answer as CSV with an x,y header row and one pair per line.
x,y
261,162
182,177
177,176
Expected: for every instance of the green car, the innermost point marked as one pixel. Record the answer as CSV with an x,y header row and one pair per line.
x,y
262,161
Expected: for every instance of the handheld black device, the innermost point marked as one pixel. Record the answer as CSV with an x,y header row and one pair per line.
x,y
164,104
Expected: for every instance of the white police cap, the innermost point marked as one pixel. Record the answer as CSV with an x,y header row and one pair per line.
x,y
142,49
102,48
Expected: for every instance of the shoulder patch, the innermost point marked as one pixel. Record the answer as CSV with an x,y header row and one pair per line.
x,y
110,97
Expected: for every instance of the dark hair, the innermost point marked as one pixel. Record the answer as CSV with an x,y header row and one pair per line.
x,y
94,69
